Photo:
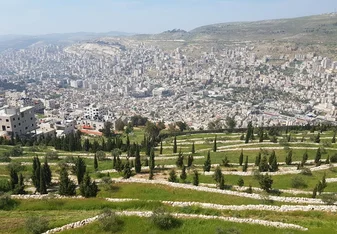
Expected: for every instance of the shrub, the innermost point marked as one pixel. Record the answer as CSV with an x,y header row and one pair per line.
x,y
329,199
163,219
333,158
16,151
298,182
6,203
36,225
5,185
110,222
52,155
306,171
5,157
241,182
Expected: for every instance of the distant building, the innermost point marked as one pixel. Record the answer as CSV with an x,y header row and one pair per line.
x,y
17,121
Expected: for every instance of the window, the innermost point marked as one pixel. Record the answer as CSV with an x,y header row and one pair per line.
x,y
7,120
14,126
13,119
22,114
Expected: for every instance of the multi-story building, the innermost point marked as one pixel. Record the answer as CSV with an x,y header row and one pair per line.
x,y
17,121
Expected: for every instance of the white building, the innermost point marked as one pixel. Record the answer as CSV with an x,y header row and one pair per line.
x,y
17,121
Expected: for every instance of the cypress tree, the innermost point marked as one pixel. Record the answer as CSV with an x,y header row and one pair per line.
x,y
127,170
225,162
317,138
193,148
43,185
20,188
95,163
114,160
222,182
189,160
152,161
327,161
314,192
217,174
318,156
261,135
274,165
183,174
79,169
66,187
172,176
304,158
36,171
180,160
245,166
14,179
88,188
258,159
175,145
207,163
86,145
214,145
161,148
289,157
271,157
118,166
241,158
151,174
47,172
195,178
138,165
333,140
263,164
250,133
127,142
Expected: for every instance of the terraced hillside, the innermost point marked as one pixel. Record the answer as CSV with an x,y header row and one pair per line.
x,y
239,203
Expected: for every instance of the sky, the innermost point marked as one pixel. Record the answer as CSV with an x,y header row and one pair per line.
x,y
33,17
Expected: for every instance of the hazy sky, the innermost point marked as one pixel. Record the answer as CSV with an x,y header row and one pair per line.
x,y
143,16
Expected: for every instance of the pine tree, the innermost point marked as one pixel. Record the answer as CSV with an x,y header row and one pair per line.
x,y
289,158
318,156
152,161
245,166
172,176
95,163
79,169
161,147
66,187
127,170
258,159
196,178
263,164
138,165
189,160
193,148
241,158
14,179
214,145
43,185
183,174
207,164
175,145
47,172
88,188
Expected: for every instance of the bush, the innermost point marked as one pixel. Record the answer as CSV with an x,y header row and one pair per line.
x,y
333,158
306,171
5,185
6,203
16,151
110,222
298,182
163,219
52,155
5,157
36,225
329,199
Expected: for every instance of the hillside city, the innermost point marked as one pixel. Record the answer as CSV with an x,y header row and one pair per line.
x,y
97,81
